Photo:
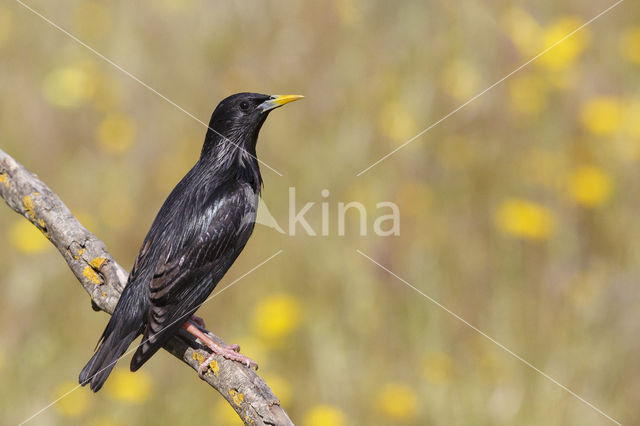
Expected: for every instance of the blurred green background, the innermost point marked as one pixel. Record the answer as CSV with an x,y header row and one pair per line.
x,y
519,213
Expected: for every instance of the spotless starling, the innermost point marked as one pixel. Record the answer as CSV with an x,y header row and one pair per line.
x,y
197,235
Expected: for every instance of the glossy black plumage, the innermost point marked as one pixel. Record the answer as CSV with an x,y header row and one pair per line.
x,y
198,233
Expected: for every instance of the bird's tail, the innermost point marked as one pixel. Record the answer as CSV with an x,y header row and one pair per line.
x,y
122,329
102,362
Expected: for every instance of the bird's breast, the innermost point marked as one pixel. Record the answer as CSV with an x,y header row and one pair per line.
x,y
252,198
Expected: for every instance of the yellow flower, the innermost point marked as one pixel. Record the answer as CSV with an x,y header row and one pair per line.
x,y
396,121
116,133
276,316
324,415
590,186
524,30
6,23
125,386
437,368
525,219
397,402
68,87
565,52
27,238
91,20
74,403
528,94
460,79
602,116
629,44
280,387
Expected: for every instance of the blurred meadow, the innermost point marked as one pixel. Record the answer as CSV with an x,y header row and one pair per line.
x,y
519,212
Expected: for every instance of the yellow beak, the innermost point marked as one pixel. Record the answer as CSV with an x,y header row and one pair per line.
x,y
277,101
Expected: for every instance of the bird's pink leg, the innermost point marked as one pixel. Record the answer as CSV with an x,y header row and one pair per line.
x,y
199,321
228,352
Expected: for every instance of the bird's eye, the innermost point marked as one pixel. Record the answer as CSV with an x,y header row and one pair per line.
x,y
244,106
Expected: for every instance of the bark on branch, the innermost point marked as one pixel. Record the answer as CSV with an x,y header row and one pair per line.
x,y
104,280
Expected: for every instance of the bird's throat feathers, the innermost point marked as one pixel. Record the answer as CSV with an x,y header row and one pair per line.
x,y
232,156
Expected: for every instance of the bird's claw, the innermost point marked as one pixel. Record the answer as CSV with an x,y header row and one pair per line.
x,y
202,370
231,353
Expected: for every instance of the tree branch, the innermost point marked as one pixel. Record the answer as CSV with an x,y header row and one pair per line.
x,y
104,280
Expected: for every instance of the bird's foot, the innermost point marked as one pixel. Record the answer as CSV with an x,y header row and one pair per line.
x,y
202,370
229,352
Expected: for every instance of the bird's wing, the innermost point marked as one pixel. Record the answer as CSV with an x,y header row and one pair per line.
x,y
189,269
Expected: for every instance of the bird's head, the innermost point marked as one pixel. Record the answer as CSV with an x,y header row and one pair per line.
x,y
239,117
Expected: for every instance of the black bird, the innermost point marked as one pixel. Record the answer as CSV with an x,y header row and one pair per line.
x,y
197,235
